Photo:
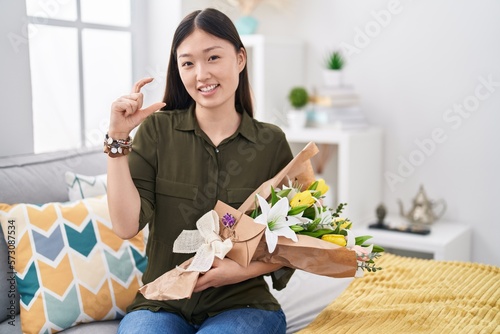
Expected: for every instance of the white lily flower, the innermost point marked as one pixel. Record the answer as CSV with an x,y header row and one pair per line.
x,y
360,250
326,218
351,239
301,220
276,221
292,192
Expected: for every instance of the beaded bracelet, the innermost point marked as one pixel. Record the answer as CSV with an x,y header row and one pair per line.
x,y
117,147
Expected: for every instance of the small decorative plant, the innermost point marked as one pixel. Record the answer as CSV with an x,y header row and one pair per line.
x,y
335,61
298,97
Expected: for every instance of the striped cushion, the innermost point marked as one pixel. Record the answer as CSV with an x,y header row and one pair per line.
x,y
84,186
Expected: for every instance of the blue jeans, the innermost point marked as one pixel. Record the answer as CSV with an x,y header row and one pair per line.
x,y
244,320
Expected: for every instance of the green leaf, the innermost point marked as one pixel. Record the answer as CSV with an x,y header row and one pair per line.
x,y
334,60
313,186
339,209
274,197
360,240
255,213
309,213
317,233
313,225
296,210
284,192
316,194
297,228
378,249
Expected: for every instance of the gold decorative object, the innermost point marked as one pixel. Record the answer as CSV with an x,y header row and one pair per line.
x,y
423,213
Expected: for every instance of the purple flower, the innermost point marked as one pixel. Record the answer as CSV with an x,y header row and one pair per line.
x,y
228,220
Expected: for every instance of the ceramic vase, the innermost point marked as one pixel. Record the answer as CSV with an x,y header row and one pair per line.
x,y
246,25
332,78
296,118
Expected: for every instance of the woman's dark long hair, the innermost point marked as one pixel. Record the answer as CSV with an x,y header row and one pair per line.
x,y
215,23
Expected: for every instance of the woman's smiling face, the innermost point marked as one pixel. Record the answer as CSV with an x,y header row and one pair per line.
x,y
209,68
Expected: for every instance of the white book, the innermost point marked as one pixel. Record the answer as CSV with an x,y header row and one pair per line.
x,y
335,97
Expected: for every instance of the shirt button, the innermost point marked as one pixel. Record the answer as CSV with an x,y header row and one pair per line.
x,y
216,150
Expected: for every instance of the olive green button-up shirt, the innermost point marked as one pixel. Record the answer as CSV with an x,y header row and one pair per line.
x,y
180,175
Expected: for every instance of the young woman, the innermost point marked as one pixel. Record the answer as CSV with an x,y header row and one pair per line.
x,y
203,146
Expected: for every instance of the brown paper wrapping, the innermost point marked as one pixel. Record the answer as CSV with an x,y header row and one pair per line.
x,y
299,170
247,234
179,284
174,284
309,254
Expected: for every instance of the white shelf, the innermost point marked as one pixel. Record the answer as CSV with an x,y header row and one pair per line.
x,y
326,135
447,241
354,173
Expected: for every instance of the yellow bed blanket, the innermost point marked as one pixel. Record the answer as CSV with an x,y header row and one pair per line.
x,y
416,296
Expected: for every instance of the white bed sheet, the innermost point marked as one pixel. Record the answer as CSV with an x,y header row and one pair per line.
x,y
306,295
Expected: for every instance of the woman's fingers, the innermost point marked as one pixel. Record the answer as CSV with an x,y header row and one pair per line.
x,y
139,84
139,97
127,110
128,107
152,108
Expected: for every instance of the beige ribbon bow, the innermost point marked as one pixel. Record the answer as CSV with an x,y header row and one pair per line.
x,y
205,241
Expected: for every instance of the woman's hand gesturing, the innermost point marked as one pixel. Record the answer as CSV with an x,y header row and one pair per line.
x,y
127,112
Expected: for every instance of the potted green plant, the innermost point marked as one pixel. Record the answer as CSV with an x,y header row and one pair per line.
x,y
334,64
298,98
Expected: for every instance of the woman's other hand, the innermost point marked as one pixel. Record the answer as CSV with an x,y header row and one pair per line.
x,y
226,271
223,272
127,112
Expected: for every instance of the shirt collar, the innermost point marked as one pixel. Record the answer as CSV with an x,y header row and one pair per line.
x,y
188,122
246,129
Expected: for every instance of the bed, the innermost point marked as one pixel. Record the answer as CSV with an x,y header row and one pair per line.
x,y
416,296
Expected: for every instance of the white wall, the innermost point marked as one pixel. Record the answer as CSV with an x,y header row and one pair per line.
x,y
16,125
428,57
161,21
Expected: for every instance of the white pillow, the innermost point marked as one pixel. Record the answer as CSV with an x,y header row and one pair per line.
x,y
83,186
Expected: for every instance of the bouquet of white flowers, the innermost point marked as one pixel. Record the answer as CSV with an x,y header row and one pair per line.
x,y
299,232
